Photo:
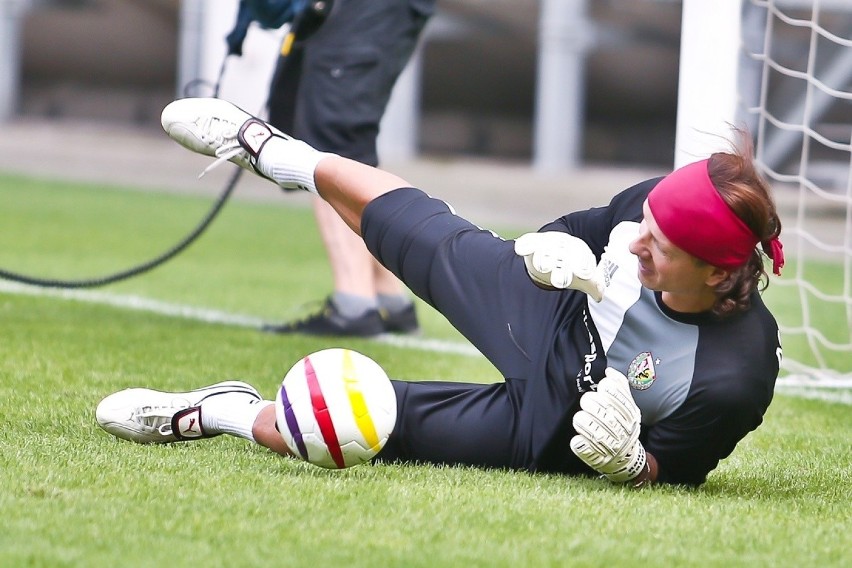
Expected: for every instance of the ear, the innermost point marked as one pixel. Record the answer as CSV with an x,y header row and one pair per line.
x,y
717,276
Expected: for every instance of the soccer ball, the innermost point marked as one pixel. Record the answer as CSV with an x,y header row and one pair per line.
x,y
336,408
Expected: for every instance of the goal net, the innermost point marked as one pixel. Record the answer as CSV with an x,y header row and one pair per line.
x,y
796,96
793,91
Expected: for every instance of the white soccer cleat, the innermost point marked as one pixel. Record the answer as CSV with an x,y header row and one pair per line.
x,y
148,416
213,127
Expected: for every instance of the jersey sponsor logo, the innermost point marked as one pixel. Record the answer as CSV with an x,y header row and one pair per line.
x,y
641,373
585,382
607,268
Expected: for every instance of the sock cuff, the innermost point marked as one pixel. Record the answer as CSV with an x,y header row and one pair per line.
x,y
393,303
352,305
236,417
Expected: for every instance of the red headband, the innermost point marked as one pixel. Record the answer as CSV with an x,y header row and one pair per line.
x,y
690,212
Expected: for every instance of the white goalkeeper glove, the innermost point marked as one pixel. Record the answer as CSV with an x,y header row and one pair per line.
x,y
608,429
557,260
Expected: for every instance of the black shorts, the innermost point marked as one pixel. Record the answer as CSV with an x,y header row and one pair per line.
x,y
332,90
474,279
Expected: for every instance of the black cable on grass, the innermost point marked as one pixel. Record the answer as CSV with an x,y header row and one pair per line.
x,y
140,268
156,261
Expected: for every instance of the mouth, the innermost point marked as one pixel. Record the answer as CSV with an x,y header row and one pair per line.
x,y
644,270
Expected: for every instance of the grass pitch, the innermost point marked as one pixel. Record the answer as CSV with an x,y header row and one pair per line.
x,y
74,496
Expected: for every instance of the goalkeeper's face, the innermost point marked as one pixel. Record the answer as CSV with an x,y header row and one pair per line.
x,y
686,282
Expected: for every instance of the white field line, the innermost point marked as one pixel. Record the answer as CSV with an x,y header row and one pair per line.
x,y
139,303
842,395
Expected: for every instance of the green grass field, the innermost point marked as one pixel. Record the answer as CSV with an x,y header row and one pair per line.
x,y
74,496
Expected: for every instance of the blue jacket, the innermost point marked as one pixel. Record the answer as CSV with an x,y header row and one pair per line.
x,y
270,14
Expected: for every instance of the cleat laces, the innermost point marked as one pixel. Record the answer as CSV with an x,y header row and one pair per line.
x,y
223,134
158,418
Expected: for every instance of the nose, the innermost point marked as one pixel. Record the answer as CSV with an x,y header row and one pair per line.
x,y
634,247
639,245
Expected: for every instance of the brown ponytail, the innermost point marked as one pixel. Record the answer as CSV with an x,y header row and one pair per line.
x,y
748,194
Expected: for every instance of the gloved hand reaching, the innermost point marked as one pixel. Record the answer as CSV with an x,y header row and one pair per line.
x,y
608,429
556,261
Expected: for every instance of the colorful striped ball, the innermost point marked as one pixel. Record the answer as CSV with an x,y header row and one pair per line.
x,y
336,408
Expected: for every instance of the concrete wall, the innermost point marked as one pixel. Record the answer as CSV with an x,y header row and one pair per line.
x,y
99,59
116,60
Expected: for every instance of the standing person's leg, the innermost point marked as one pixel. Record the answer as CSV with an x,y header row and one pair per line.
x,y
349,66
346,252
356,274
395,306
352,309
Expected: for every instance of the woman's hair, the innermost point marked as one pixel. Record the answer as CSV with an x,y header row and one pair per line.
x,y
743,188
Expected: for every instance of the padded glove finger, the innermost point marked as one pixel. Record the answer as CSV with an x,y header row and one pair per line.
x,y
528,243
615,390
597,433
584,449
627,466
598,407
558,260
619,469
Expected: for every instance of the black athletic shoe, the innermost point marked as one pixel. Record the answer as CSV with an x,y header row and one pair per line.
x,y
401,322
328,321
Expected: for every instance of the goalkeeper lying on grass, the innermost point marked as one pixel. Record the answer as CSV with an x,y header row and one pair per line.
x,y
632,337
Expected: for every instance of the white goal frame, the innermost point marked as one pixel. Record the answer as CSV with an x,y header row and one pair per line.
x,y
715,43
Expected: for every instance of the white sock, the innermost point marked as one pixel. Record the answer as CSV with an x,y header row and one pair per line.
x,y
291,163
232,414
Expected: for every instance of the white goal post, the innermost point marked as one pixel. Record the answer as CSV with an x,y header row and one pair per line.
x,y
783,70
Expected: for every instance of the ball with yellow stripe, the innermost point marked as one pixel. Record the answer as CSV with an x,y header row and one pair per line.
x,y
336,408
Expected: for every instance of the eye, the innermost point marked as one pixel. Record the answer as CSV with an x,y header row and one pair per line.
x,y
663,251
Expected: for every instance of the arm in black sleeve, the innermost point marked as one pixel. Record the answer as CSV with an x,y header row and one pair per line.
x,y
730,393
689,446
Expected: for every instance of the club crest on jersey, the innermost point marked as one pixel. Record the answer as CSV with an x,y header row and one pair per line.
x,y
641,373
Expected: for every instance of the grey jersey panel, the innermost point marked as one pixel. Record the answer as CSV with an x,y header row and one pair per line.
x,y
658,356
656,353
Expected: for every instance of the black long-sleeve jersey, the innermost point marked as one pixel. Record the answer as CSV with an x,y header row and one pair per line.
x,y
701,382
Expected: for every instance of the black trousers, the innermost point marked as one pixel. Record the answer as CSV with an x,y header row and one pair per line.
x,y
533,337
